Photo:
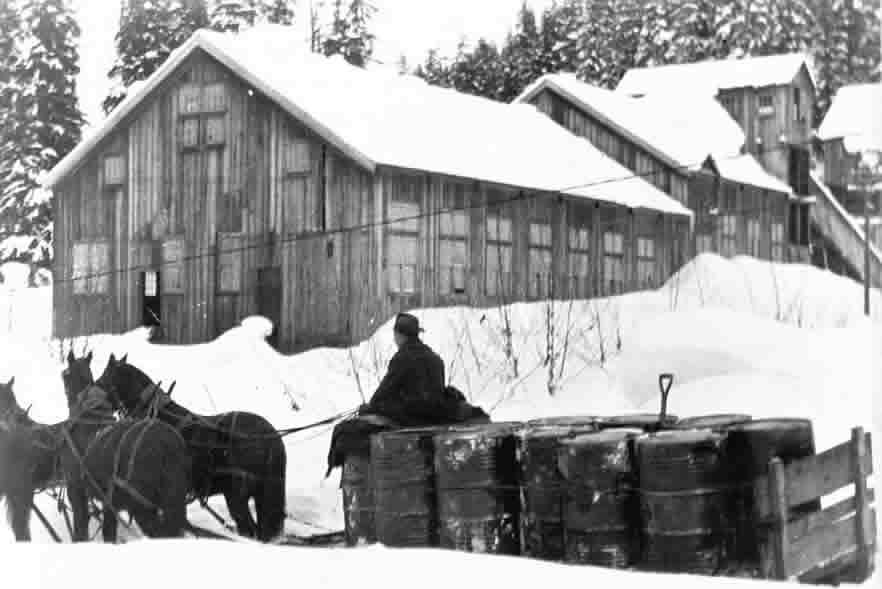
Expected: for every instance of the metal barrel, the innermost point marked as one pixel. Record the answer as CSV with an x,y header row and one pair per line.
x,y
478,495
751,446
356,483
601,513
685,499
404,487
714,422
542,487
644,421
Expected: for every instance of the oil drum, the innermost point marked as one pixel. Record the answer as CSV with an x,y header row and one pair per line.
x,y
715,422
644,421
685,499
752,446
476,474
358,500
542,490
404,487
601,514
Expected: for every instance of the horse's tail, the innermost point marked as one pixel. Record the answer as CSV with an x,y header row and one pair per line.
x,y
270,499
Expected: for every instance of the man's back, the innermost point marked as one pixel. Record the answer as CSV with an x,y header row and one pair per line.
x,y
424,370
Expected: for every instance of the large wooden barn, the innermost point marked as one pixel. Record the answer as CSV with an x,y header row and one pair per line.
x,y
244,178
692,149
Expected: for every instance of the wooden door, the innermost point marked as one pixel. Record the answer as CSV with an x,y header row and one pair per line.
x,y
269,299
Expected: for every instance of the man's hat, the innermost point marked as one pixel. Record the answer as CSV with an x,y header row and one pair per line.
x,y
407,324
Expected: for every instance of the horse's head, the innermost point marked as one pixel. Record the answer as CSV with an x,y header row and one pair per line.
x,y
77,376
10,410
123,382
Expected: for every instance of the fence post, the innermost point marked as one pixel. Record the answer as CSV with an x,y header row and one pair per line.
x,y
863,525
778,499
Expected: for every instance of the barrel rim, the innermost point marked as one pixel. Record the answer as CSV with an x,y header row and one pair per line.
x,y
763,423
615,434
713,420
673,437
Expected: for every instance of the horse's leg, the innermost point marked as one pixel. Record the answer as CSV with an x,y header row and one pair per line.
x,y
19,506
79,504
237,497
108,525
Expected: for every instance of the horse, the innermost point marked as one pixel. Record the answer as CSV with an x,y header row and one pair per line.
x,y
29,460
237,454
142,467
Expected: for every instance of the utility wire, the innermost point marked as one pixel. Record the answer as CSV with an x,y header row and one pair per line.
x,y
520,196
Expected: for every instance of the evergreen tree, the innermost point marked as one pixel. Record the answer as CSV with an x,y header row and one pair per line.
x,y
349,33
433,70
279,12
233,15
148,33
43,125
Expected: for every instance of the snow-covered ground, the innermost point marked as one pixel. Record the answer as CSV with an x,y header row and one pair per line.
x,y
739,335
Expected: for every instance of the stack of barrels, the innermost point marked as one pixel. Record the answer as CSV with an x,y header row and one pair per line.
x,y
625,491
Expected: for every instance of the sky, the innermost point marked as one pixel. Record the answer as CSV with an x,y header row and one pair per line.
x,y
403,27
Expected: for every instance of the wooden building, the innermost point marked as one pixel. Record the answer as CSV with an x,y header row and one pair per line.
x,y
326,198
691,149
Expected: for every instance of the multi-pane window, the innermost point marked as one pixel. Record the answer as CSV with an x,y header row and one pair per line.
x,y
453,240
704,242
753,237
797,106
114,170
202,115
91,268
766,104
302,197
404,236
728,234
498,262
229,264
778,242
540,249
613,262
579,255
646,273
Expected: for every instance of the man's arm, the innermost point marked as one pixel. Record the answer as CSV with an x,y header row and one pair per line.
x,y
389,390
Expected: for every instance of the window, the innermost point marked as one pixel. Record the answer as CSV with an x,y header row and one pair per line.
x,y
91,268
777,242
229,264
728,234
498,261
646,262
679,189
305,209
753,237
766,103
453,240
797,106
151,283
704,242
173,266
297,157
114,170
540,249
579,258
613,262
189,98
215,130
189,132
215,95
202,112
404,235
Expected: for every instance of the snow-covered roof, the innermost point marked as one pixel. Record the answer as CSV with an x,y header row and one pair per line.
x,y
709,77
747,170
853,114
383,119
682,131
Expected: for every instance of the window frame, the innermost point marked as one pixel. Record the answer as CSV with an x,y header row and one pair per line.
x,y
454,207
497,211
398,229
579,225
728,234
646,260
540,245
95,270
615,260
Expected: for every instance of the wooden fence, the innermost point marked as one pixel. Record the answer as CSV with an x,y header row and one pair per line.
x,y
838,542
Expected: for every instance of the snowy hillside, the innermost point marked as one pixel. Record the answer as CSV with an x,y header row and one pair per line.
x,y
740,336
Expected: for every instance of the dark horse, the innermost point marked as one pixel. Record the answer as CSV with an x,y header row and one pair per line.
x,y
29,460
237,454
142,467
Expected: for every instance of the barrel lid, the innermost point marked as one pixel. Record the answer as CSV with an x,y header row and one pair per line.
x,y
480,430
774,424
565,420
411,432
635,420
716,420
679,437
604,437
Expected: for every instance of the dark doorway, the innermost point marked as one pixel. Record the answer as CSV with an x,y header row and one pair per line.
x,y
269,299
151,301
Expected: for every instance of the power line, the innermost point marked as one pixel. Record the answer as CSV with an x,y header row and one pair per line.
x,y
520,196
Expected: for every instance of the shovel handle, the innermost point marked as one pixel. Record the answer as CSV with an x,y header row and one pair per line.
x,y
665,381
